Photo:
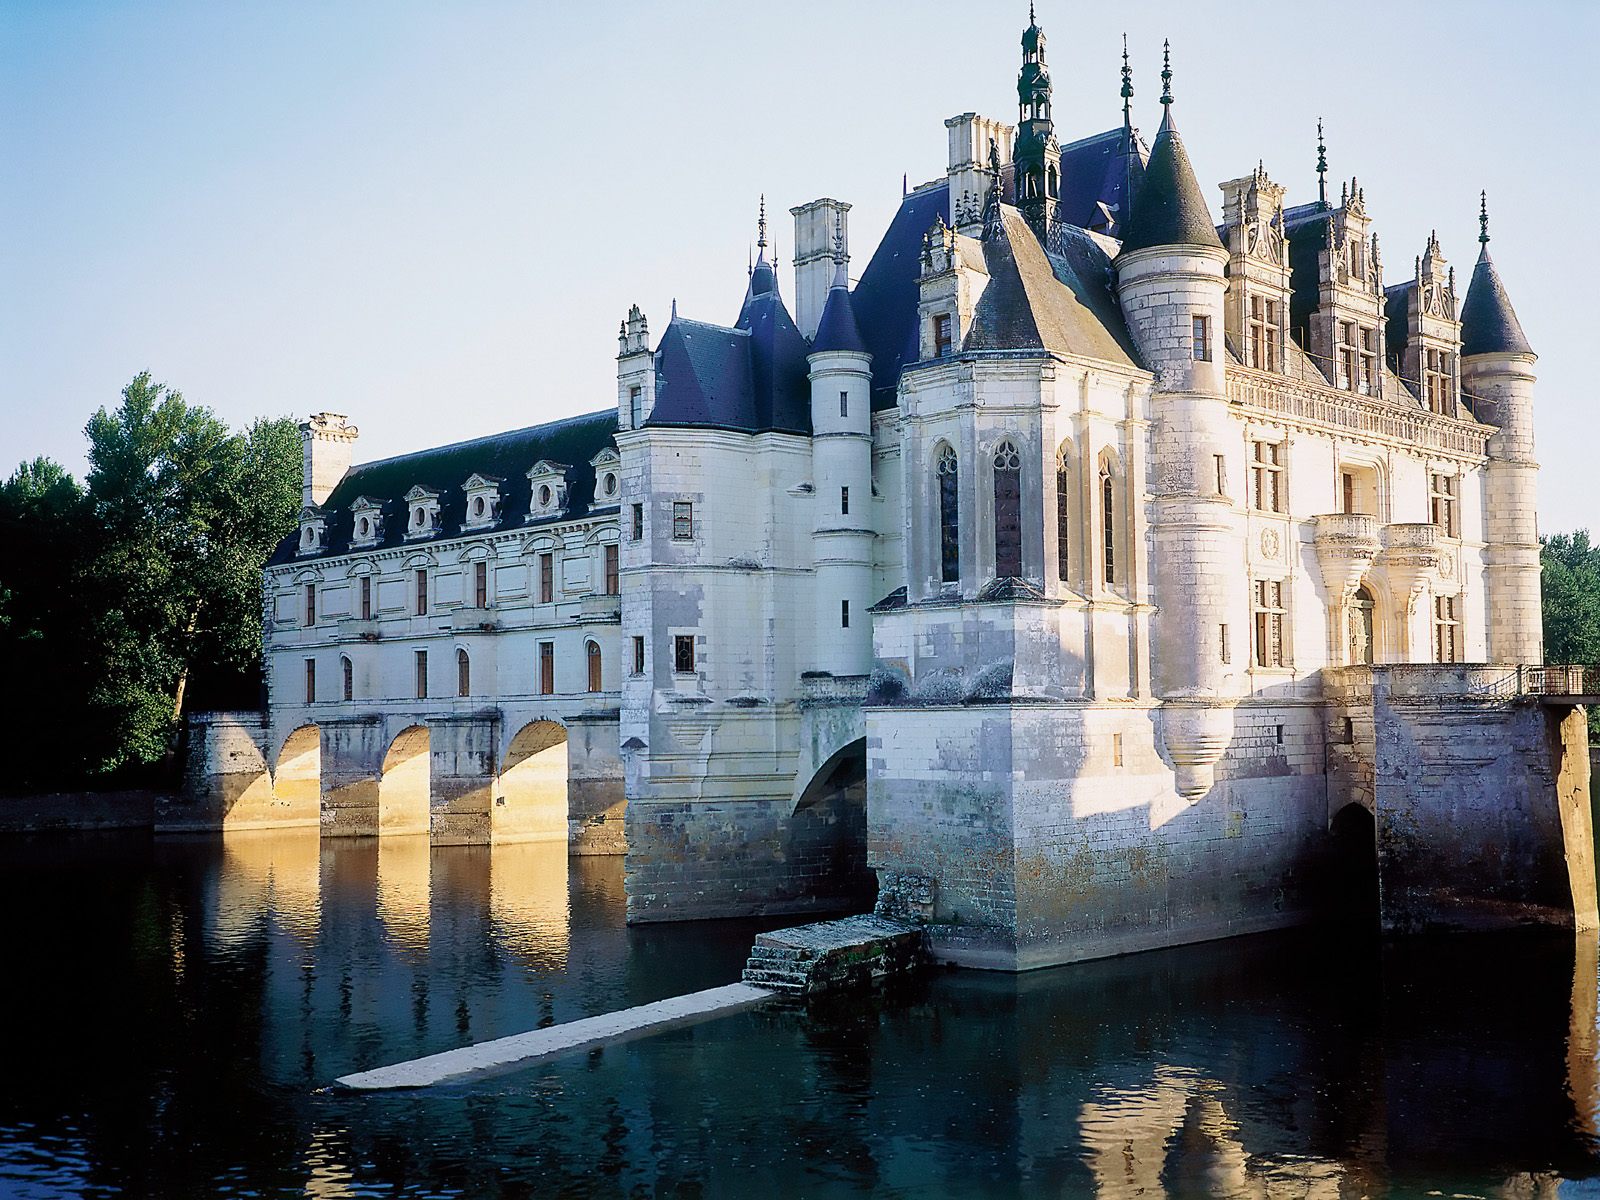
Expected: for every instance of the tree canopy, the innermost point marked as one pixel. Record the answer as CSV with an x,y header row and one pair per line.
x,y
137,596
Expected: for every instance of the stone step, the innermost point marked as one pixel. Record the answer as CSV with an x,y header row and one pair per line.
x,y
832,955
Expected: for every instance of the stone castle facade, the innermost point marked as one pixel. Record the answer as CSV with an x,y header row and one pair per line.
x,y
1039,584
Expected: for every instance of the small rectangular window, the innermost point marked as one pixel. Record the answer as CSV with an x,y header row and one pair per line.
x,y
1222,474
547,668
638,655
421,661
1442,504
311,604
349,678
1347,491
844,404
547,578
1280,735
311,681
942,339
1446,630
1269,612
1266,470
844,614
638,522
480,584
613,572
366,597
1349,731
1222,636
844,501
1202,338
683,654
682,521
422,593
635,407
1116,749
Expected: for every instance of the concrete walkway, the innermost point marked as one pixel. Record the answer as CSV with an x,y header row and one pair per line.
x,y
559,1039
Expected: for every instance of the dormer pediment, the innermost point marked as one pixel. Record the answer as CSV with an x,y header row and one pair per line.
x,y
607,476
366,526
422,512
483,500
549,491
418,492
313,531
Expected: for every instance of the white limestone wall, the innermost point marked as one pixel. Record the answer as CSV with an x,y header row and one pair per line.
x,y
889,518
842,551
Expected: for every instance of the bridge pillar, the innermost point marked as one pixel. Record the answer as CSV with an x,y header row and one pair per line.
x,y
596,803
352,762
462,767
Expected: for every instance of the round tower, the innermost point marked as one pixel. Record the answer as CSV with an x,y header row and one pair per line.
x,y
1171,285
841,472
1497,380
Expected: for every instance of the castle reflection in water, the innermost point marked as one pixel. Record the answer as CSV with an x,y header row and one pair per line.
x,y
209,990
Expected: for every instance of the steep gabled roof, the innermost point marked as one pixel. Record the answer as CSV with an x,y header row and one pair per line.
x,y
1169,209
1489,324
1058,300
444,469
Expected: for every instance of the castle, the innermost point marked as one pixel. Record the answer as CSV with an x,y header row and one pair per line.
x,y
1076,582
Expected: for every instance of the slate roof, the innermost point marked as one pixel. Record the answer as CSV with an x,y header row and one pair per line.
x,y
1059,300
837,329
508,456
1169,209
1108,169
750,378
1489,324
886,296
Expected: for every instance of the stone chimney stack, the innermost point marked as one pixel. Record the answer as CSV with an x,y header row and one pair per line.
x,y
814,226
968,173
328,441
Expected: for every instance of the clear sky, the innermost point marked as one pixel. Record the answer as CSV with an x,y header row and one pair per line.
x,y
432,216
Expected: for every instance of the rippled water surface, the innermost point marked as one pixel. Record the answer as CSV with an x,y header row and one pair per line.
x,y
174,1008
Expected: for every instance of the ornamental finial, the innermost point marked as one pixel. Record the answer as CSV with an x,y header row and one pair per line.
x,y
1322,167
1127,84
1166,72
1483,217
761,227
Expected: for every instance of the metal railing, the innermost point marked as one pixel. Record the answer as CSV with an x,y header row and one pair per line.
x,y
1541,680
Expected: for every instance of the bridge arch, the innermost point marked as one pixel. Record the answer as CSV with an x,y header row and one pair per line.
x,y
531,799
297,781
1354,892
405,782
827,832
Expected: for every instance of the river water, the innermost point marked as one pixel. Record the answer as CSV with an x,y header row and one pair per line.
x,y
174,1009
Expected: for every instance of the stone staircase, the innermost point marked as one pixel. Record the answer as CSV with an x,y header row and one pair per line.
x,y
833,955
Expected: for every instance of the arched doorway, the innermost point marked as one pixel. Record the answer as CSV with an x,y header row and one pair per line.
x,y
404,785
1355,866
1360,632
827,838
531,802
297,783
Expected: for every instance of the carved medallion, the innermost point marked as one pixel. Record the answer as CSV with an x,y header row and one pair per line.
x,y
1269,543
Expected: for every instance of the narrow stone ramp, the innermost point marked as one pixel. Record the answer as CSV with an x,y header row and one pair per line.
x,y
833,955
559,1039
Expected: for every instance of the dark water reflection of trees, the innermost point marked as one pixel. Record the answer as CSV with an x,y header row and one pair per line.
x,y
174,1007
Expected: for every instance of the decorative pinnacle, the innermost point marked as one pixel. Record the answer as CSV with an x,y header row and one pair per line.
x,y
1031,21
1127,83
1166,72
838,237
1322,167
761,227
1483,218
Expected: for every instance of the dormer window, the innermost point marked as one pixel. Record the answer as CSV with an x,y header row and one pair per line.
x,y
422,509
366,522
549,488
313,531
607,481
483,501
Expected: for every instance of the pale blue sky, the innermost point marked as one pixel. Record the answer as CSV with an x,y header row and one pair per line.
x,y
431,217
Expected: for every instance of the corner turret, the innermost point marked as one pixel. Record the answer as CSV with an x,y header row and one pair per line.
x,y
1497,381
1036,155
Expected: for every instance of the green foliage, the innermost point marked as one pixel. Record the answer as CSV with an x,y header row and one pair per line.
x,y
1570,580
140,594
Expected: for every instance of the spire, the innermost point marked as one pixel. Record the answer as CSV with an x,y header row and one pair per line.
x,y
761,228
1127,87
763,277
1170,209
1166,73
1489,324
1322,167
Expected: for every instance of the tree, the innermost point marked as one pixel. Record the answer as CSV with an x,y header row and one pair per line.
x,y
1570,580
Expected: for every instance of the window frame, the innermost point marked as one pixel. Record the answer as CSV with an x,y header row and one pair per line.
x,y
366,597
684,651
594,663
311,680
1200,336
547,577
611,559
683,520
1269,625
463,673
1268,476
420,600
546,681
420,668
638,523
639,660
347,671
308,616
947,483
480,583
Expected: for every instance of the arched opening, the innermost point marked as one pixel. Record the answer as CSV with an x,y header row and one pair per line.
x,y
297,783
596,675
1361,627
531,802
1113,521
1066,513
347,675
947,468
404,785
1007,511
463,673
1354,890
827,839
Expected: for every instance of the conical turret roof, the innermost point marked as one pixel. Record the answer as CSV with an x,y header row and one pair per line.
x,y
837,329
1169,209
1489,324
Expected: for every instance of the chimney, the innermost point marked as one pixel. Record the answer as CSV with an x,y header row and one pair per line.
x,y
328,441
814,226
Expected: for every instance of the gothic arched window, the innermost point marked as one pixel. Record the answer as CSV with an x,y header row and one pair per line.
x,y
592,653
1108,518
1007,511
1064,499
463,674
947,469
349,673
